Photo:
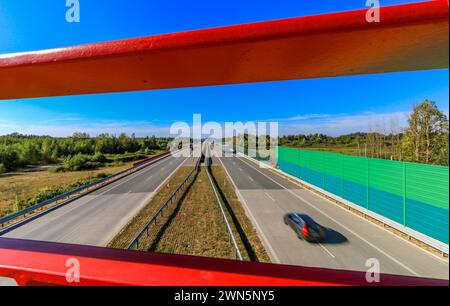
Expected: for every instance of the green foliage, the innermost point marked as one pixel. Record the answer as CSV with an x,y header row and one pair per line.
x,y
426,138
2,168
18,150
99,157
77,162
51,192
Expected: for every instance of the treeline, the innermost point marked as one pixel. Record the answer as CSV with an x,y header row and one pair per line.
x,y
424,140
18,150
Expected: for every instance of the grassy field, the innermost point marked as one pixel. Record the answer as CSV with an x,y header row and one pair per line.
x,y
23,184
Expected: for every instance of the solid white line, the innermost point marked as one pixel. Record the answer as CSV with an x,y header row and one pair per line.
x,y
339,223
132,176
327,251
299,182
270,197
273,256
152,194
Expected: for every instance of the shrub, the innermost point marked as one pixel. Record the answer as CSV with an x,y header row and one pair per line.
x,y
77,162
2,168
99,158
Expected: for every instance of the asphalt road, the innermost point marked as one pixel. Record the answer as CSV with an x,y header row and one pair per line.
x,y
351,240
96,218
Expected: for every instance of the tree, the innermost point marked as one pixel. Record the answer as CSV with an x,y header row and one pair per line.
x,y
426,138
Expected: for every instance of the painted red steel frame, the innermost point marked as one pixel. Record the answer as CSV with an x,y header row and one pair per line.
x,y
37,263
409,37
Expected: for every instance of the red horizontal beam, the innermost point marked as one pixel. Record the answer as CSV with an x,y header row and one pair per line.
x,y
34,262
409,37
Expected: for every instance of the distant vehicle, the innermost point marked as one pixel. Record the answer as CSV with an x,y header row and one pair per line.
x,y
231,150
305,227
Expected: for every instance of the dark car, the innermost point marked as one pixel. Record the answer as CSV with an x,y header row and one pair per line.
x,y
305,227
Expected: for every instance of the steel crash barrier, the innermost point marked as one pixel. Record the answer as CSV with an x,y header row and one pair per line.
x,y
177,193
37,210
409,37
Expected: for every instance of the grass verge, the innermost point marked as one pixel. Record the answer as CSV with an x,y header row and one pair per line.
x,y
129,232
247,238
193,223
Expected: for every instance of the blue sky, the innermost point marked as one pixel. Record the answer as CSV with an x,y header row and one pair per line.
x,y
330,105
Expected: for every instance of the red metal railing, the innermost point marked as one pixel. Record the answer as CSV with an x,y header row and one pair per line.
x,y
34,262
409,37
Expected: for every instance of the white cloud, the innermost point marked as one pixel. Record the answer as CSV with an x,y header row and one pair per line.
x,y
332,125
140,128
335,125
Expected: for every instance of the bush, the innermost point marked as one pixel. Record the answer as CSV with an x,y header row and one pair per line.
x,y
46,194
51,192
99,157
2,168
77,162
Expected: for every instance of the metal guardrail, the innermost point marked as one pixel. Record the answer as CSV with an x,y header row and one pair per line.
x,y
37,206
135,241
230,232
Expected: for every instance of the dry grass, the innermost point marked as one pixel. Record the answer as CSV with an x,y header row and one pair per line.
x,y
129,232
24,185
194,226
248,240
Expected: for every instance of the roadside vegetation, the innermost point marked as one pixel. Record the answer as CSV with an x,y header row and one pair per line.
x,y
20,189
247,238
78,152
424,140
129,232
193,224
36,168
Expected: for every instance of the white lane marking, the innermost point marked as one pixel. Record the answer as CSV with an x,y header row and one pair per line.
x,y
148,178
268,195
151,195
134,175
327,251
240,168
273,256
299,183
339,223
250,178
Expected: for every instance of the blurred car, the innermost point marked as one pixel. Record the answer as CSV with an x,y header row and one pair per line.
x,y
305,227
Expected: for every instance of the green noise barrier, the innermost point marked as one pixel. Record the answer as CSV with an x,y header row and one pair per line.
x,y
414,195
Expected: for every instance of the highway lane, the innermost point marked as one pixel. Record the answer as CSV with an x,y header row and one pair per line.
x,y
96,218
351,241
